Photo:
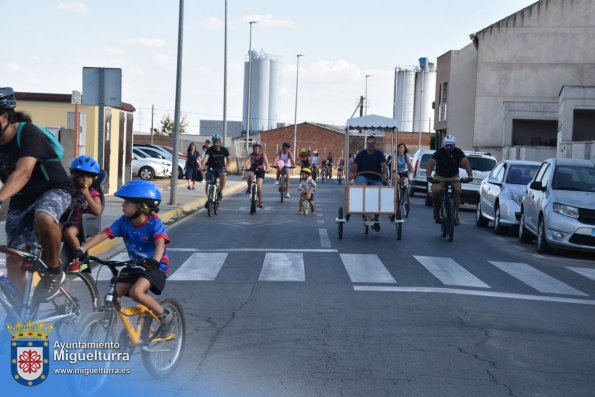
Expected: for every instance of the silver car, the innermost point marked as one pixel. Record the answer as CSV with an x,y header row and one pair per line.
x,y
559,206
148,168
501,194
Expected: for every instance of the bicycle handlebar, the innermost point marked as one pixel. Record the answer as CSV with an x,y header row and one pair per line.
x,y
435,181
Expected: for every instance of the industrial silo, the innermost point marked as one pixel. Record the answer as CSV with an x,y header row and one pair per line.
x,y
263,92
404,99
425,89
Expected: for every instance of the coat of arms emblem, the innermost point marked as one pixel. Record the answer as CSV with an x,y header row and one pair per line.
x,y
29,352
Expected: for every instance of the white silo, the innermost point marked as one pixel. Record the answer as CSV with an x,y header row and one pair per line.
x,y
404,99
425,89
263,92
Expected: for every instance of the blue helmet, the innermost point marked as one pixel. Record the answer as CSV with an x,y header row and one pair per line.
x,y
140,191
216,137
85,164
7,98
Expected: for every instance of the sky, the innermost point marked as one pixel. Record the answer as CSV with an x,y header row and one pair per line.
x,y
47,43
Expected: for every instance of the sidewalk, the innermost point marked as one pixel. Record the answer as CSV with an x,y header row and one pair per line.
x,y
187,201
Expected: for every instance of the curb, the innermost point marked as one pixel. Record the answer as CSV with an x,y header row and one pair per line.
x,y
169,218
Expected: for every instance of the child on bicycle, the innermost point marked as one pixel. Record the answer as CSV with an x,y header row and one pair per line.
x,y
86,199
145,238
306,188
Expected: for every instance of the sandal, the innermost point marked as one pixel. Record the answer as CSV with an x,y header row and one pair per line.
x,y
260,205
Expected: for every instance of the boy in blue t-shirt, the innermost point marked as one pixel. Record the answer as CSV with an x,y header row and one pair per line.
x,y
145,238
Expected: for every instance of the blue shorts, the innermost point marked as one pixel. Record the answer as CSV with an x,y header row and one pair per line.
x,y
20,224
213,173
362,180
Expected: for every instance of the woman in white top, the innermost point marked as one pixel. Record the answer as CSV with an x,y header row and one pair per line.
x,y
288,160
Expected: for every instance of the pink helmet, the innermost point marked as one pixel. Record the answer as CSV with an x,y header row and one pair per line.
x,y
280,163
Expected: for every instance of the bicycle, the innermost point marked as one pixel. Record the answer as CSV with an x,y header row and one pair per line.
x,y
77,295
339,175
447,210
282,184
403,193
213,194
253,193
160,355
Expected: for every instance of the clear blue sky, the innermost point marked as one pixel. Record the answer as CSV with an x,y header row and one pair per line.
x,y
47,43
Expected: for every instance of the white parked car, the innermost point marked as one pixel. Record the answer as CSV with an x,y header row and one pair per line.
x,y
159,153
559,206
149,168
501,194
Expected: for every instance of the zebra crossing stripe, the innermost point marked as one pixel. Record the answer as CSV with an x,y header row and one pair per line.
x,y
366,268
201,266
589,273
325,242
286,266
535,279
449,272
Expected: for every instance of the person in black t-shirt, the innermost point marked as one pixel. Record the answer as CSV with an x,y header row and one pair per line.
x,y
39,195
447,160
214,163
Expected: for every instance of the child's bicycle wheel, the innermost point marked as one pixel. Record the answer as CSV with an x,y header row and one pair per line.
x,y
161,356
306,207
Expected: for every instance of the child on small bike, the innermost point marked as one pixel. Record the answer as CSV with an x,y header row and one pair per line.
x,y
307,187
86,199
145,238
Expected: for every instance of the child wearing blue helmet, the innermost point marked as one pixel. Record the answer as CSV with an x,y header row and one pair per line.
x,y
145,238
85,200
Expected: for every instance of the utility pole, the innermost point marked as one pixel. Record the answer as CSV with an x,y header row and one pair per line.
x,y
174,160
225,80
152,115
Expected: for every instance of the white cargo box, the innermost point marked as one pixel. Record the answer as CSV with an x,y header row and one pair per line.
x,y
371,199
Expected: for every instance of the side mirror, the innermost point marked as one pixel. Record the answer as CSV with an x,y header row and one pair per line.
x,y
494,181
536,186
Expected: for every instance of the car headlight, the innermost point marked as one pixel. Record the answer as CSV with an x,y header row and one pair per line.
x,y
566,210
517,198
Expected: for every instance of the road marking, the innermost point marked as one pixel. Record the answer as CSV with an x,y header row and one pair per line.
x,y
201,266
366,268
536,279
589,273
450,272
283,267
377,288
325,242
252,250
559,258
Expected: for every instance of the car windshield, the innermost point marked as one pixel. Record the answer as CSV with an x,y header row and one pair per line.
x,y
574,178
521,174
481,163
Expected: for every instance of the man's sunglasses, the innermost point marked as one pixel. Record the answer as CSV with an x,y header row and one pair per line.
x,y
449,146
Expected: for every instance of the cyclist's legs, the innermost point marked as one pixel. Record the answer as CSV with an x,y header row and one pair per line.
x,y
287,171
222,180
278,174
259,182
208,178
71,236
138,292
249,178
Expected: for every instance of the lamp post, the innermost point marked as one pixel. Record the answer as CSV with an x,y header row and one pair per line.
x,y
297,74
249,89
366,95
225,80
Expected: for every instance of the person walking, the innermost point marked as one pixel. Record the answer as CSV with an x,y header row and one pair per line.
x,y
193,172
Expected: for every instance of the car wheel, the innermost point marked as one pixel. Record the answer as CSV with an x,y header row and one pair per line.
x,y
498,228
180,173
480,220
524,235
146,173
542,245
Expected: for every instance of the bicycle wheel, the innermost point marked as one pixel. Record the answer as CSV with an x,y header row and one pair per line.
x,y
79,297
306,206
405,202
253,199
215,207
399,225
282,185
97,327
450,220
162,356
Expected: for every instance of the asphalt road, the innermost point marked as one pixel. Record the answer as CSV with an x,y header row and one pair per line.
x,y
276,305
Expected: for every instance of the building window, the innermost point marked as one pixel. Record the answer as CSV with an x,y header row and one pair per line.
x,y
583,126
534,132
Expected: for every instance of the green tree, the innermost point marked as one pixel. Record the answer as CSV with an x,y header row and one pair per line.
x,y
167,125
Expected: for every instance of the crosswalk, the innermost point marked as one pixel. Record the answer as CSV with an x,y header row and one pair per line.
x,y
368,272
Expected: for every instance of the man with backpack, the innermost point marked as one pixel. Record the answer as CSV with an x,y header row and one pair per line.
x,y
40,191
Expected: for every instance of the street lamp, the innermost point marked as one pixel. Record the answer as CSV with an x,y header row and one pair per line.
x,y
225,80
249,89
297,74
366,95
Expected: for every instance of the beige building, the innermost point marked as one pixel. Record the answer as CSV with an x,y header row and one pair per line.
x,y
524,88
55,112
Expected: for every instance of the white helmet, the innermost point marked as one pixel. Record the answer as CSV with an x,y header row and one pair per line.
x,y
449,140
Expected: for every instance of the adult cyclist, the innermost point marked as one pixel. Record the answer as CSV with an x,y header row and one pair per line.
x,y
40,191
314,164
287,158
258,165
370,164
447,160
215,163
